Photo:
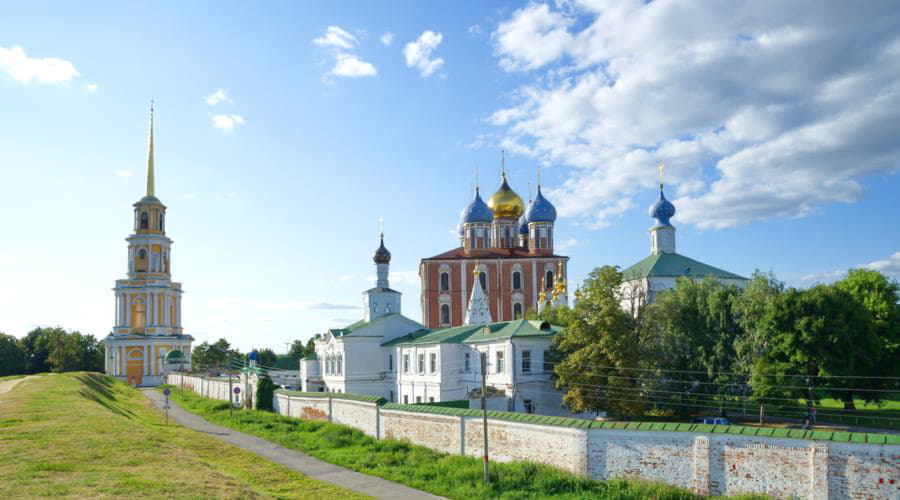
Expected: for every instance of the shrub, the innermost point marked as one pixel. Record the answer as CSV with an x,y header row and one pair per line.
x,y
265,390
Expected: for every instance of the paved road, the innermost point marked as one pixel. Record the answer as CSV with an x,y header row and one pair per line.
x,y
292,459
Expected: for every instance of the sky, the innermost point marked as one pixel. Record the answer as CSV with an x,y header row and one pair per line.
x,y
284,130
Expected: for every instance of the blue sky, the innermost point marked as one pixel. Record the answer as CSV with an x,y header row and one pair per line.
x,y
777,124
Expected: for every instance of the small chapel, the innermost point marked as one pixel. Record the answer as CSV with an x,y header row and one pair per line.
x,y
147,338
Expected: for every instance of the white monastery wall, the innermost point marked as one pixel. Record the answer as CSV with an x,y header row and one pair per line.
x,y
707,463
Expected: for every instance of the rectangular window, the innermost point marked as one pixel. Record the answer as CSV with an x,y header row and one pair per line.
x,y
418,400
499,357
526,361
529,406
390,362
406,363
406,399
548,365
432,360
421,363
468,363
430,399
391,397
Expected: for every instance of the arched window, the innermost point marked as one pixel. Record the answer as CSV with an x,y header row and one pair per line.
x,y
445,314
482,278
141,264
162,222
517,311
517,280
549,281
445,282
340,361
145,221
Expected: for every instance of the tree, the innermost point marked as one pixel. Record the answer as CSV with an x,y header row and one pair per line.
x,y
297,351
219,354
13,358
266,358
600,342
692,329
812,335
37,350
879,296
557,316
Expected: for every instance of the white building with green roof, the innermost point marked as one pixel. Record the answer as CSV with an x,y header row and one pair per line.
x,y
659,271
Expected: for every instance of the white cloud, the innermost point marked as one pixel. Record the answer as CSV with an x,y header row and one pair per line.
x,y
350,65
341,44
568,244
475,29
236,302
759,111
227,122
418,53
387,38
889,267
91,87
337,38
217,97
23,69
123,173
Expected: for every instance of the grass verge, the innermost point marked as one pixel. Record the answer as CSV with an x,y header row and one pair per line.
x,y
87,435
452,476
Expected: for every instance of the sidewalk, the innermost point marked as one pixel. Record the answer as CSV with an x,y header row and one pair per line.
x,y
292,459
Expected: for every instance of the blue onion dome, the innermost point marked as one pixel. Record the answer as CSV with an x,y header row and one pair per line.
x,y
382,255
523,225
662,210
478,211
541,210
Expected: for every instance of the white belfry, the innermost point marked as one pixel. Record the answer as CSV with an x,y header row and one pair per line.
x,y
477,312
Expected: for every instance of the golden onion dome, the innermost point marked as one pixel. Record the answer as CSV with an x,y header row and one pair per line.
x,y
505,203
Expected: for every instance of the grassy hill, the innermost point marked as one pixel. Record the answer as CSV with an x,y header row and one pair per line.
x,y
84,434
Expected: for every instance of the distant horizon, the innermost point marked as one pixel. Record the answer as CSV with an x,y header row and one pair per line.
x,y
283,133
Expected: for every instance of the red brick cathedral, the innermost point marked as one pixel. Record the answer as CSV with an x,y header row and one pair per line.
x,y
509,248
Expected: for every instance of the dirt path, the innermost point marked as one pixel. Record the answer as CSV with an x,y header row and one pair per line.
x,y
7,385
293,459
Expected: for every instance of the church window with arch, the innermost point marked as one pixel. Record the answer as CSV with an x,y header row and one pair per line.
x,y
145,221
517,280
517,311
162,222
445,314
445,281
482,278
548,282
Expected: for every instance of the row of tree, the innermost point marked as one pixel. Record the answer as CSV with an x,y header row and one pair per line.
x,y
49,349
220,355
705,346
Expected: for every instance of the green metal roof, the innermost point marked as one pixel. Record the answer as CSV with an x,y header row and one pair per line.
x,y
674,265
469,334
347,330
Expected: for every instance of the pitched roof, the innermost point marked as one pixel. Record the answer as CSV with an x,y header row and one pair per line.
x,y
347,330
470,334
496,253
673,265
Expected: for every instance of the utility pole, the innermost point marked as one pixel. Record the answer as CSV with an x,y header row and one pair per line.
x,y
487,470
230,405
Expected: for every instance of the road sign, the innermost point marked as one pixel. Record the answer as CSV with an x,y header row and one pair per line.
x,y
237,390
166,391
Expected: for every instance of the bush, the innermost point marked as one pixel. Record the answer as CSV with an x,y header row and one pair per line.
x,y
265,390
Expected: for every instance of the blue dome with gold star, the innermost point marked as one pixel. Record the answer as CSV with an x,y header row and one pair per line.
x,y
541,210
662,210
478,211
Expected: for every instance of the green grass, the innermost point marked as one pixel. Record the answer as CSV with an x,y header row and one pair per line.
x,y
87,435
11,377
452,476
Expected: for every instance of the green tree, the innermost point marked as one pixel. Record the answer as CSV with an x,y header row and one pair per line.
x,y
814,334
297,351
879,296
265,391
557,316
218,355
311,346
691,331
600,342
266,358
13,358
37,350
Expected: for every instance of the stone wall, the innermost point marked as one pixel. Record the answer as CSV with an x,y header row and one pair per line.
x,y
705,462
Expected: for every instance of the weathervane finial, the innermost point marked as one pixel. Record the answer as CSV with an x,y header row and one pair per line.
x,y
660,167
381,227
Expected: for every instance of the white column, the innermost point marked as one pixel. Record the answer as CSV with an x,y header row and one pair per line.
x,y
178,311
128,309
121,363
146,359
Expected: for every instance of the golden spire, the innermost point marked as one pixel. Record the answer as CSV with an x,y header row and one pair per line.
x,y
150,180
660,167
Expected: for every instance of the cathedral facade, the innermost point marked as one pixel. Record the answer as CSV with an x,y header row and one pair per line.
x,y
506,248
147,337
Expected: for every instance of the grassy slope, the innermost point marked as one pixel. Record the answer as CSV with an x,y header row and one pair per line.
x,y
447,475
83,434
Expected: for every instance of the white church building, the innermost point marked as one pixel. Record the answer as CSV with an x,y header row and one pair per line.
x,y
389,355
660,271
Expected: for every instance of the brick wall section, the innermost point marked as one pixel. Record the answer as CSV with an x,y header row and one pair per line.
x,y
707,463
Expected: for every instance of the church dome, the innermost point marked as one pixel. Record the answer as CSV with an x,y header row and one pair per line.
x,y
505,203
541,210
382,255
477,211
662,210
523,226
